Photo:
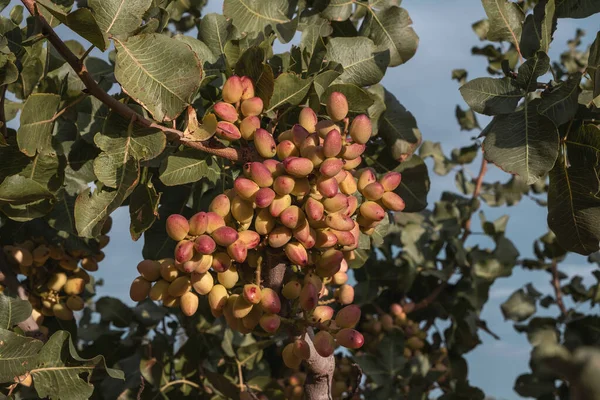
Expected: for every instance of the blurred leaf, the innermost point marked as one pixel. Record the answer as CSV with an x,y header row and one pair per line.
x,y
519,306
383,366
481,28
414,185
523,143
115,311
466,119
164,92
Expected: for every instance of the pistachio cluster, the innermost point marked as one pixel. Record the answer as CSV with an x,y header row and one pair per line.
x,y
307,201
55,277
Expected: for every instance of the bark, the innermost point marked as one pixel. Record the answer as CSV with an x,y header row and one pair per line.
x,y
319,371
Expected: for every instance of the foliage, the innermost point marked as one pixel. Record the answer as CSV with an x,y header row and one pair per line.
x,y
156,147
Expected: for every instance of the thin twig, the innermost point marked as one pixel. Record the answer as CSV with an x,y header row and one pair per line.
x,y
230,153
3,129
180,382
557,290
478,184
240,375
429,299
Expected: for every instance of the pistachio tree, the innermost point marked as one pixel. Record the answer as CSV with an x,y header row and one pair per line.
x,y
289,251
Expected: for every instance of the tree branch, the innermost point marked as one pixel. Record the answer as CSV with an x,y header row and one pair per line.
x,y
478,184
9,279
3,130
230,153
427,300
557,290
319,377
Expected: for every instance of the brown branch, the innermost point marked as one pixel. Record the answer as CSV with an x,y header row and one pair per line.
x,y
478,184
557,290
319,377
9,279
427,301
230,153
3,130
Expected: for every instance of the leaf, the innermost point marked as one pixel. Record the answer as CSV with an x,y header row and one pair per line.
x,y
531,70
119,17
359,100
203,52
290,89
399,129
188,166
13,311
143,209
18,190
573,208
337,10
92,209
253,16
57,369
213,30
524,143
560,103
576,8
159,72
17,354
252,64
538,29
37,122
62,217
593,68
363,64
505,18
390,29
518,307
114,311
121,140
491,96
387,362
80,21
414,185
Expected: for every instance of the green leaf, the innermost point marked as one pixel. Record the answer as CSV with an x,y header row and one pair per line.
x,y
390,29
203,52
576,8
9,72
531,70
573,208
324,79
252,64
119,17
37,122
114,311
363,64
505,18
188,166
387,362
399,129
359,100
120,141
290,89
18,190
58,366
80,21
560,103
538,29
337,10
254,16
519,306
214,31
143,68
524,143
491,96
593,68
143,209
92,209
414,185
17,354
13,311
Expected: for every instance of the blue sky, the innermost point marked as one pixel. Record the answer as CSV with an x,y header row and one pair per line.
x,y
424,87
